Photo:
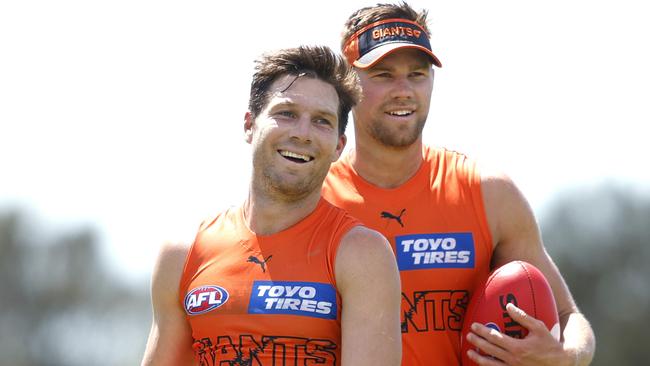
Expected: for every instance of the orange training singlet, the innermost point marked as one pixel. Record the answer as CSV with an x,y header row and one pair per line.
x,y
265,300
437,227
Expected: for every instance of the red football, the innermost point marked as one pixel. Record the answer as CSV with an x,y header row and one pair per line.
x,y
516,282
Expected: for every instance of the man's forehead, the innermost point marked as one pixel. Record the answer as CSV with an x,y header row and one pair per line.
x,y
310,101
282,83
293,90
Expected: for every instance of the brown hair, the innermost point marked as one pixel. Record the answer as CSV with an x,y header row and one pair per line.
x,y
371,14
318,62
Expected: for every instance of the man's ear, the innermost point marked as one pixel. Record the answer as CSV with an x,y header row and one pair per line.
x,y
340,146
248,127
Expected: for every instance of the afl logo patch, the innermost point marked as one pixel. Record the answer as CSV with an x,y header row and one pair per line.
x,y
205,298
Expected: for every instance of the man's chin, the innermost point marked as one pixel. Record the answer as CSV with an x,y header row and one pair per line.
x,y
397,139
291,190
398,142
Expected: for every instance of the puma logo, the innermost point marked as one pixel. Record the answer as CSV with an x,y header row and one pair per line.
x,y
262,264
388,215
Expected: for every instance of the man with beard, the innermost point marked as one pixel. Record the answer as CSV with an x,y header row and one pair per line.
x,y
449,223
286,278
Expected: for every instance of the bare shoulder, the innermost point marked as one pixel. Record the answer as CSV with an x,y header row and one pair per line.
x,y
170,340
496,186
169,268
367,279
511,219
363,235
172,252
362,241
364,252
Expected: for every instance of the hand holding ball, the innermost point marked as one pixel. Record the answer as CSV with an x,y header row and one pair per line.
x,y
519,283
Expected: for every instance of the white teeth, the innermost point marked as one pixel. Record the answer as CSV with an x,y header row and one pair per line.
x,y
401,113
290,154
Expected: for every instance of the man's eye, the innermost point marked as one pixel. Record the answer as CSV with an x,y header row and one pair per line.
x,y
286,114
382,75
324,121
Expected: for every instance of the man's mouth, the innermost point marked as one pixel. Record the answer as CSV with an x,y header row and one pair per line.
x,y
401,112
295,157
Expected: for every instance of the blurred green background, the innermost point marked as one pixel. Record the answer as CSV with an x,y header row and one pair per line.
x,y
60,305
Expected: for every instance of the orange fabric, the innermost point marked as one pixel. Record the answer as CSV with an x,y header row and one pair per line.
x,y
437,227
266,300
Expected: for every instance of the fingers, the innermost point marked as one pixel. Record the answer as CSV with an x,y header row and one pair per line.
x,y
498,349
483,336
483,360
524,319
489,341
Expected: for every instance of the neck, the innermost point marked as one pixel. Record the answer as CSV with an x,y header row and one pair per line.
x,y
384,166
266,215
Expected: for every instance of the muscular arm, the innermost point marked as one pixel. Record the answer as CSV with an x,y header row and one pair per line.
x,y
516,236
368,281
170,338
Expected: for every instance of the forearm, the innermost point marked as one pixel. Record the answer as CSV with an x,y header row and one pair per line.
x,y
578,338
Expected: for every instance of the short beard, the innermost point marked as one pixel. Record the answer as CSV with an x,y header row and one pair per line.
x,y
273,186
279,190
382,134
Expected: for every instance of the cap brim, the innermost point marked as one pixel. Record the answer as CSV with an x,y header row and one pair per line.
x,y
377,54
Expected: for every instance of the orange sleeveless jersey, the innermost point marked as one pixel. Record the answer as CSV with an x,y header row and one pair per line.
x,y
437,226
265,300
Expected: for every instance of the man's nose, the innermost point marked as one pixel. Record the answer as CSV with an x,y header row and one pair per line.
x,y
402,88
301,129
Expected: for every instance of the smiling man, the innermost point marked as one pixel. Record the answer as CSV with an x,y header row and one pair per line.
x,y
449,221
286,278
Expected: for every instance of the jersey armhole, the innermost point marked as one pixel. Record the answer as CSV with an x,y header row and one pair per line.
x,y
185,275
479,205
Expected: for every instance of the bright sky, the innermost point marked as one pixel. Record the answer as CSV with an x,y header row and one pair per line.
x,y
127,115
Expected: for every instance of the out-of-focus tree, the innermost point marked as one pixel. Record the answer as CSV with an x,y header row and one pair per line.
x,y
58,303
60,306
600,240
